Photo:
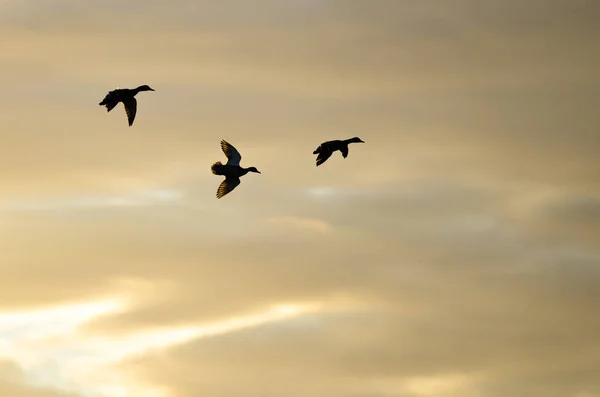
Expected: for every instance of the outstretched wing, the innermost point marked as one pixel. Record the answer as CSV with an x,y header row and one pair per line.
x,y
323,156
230,183
130,109
233,156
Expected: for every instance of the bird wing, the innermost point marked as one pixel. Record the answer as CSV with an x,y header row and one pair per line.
x,y
230,183
344,150
233,156
323,156
130,109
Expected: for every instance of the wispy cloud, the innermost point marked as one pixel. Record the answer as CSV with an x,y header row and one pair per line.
x,y
51,348
316,225
473,204
72,203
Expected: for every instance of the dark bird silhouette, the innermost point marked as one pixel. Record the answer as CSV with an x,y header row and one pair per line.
x,y
127,97
326,149
231,171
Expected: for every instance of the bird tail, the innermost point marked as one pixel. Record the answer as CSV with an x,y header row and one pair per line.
x,y
110,97
105,100
217,168
110,106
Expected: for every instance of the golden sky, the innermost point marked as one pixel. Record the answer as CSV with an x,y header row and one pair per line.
x,y
454,254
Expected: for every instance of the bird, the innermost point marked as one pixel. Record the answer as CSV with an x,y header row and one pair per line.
x,y
231,170
127,97
326,149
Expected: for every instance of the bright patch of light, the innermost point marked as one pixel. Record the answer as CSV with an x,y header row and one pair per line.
x,y
49,346
436,385
302,223
322,192
42,323
287,310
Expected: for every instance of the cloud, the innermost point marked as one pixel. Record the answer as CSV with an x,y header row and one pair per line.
x,y
14,383
302,223
461,238
443,273
75,203
56,352
466,87
466,350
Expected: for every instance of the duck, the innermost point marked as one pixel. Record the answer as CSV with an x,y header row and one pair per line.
x,y
231,170
127,97
326,149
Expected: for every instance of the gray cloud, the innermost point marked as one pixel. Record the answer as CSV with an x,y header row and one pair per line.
x,y
532,341
466,226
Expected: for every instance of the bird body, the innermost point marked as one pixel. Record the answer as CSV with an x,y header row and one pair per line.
x,y
326,149
219,168
125,96
232,171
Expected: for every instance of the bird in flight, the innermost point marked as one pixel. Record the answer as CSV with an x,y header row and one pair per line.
x,y
326,149
231,170
127,97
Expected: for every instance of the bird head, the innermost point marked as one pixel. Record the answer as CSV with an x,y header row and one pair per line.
x,y
145,88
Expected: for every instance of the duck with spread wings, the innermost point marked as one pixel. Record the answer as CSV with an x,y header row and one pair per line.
x,y
127,97
231,170
326,149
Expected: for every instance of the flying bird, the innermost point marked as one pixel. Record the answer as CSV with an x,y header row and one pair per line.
x,y
326,149
127,97
231,170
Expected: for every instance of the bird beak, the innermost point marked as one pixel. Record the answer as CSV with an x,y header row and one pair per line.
x,y
361,141
152,89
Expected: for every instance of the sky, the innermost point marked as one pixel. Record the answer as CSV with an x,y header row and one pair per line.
x,y
456,253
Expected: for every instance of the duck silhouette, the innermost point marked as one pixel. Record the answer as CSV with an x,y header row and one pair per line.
x,y
326,149
231,170
127,97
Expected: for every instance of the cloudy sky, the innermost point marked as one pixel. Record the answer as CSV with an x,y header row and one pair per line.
x,y
454,254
